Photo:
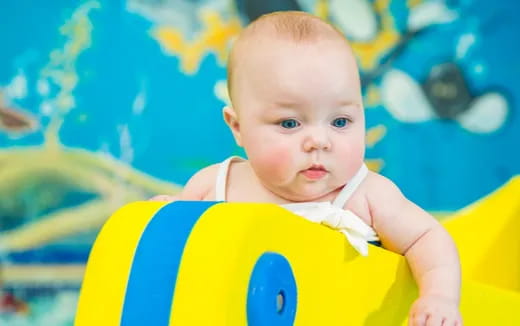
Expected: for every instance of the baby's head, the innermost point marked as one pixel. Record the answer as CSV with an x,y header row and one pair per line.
x,y
296,105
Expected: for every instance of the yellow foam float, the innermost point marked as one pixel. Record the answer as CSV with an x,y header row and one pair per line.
x,y
207,263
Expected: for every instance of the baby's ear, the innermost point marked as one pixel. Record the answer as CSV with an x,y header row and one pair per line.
x,y
231,119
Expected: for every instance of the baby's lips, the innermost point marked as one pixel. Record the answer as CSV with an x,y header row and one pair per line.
x,y
314,174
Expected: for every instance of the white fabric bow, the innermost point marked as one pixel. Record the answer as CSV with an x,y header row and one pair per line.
x,y
357,232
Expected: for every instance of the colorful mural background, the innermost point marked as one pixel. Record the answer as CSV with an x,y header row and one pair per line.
x,y
104,102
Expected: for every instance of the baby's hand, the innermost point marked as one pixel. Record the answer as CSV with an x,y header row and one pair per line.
x,y
432,310
166,198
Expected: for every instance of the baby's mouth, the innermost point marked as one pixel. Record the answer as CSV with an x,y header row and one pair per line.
x,y
315,172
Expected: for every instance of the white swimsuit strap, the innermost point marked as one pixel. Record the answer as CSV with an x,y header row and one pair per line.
x,y
222,175
347,191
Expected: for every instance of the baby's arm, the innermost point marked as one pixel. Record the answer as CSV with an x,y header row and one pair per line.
x,y
197,188
405,228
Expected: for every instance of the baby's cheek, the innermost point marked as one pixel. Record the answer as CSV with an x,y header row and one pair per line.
x,y
353,157
358,152
276,162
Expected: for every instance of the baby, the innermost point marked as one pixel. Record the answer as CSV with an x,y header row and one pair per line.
x,y
296,109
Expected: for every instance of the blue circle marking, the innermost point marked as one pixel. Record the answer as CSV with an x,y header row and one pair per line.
x,y
272,295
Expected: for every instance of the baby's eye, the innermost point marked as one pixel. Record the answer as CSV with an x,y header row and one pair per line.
x,y
340,122
289,124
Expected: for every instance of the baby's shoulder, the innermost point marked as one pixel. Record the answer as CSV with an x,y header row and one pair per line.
x,y
207,174
376,186
375,179
201,183
383,196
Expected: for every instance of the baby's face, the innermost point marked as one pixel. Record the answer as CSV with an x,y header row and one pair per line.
x,y
301,116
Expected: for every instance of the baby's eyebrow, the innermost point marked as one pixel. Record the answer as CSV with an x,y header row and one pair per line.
x,y
280,109
286,104
349,103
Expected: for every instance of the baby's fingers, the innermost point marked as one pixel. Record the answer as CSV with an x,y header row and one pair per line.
x,y
428,319
435,320
452,322
418,319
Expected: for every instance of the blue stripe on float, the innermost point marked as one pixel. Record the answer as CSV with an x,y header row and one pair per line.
x,y
153,274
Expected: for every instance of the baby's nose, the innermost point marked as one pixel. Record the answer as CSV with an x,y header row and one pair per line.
x,y
317,139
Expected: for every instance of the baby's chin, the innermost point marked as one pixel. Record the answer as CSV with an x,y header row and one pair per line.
x,y
304,195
